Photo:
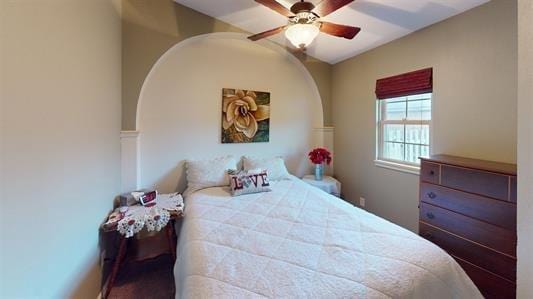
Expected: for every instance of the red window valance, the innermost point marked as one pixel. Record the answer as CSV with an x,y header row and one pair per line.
x,y
411,83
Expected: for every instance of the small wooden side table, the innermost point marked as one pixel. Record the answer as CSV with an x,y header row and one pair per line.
x,y
328,184
123,248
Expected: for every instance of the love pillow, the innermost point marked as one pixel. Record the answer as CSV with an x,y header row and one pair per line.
x,y
247,182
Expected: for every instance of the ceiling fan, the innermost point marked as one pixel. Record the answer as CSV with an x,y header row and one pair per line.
x,y
304,21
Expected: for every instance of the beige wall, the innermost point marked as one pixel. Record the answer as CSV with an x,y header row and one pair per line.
x,y
60,153
151,27
179,117
525,149
60,120
474,58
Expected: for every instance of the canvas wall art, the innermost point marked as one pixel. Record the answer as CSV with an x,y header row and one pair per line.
x,y
245,116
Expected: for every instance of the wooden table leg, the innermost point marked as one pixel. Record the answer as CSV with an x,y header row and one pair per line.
x,y
170,237
116,265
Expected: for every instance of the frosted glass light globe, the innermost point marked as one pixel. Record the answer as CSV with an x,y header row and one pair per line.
x,y
301,35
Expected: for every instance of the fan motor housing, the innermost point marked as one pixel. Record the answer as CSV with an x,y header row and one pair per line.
x,y
302,7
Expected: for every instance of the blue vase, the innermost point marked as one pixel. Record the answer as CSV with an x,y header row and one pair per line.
x,y
319,172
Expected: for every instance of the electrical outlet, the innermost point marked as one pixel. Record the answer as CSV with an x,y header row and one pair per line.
x,y
362,201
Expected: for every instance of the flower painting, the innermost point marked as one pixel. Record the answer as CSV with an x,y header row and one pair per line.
x,y
245,116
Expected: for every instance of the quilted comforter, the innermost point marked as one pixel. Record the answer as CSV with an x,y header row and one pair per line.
x,y
299,242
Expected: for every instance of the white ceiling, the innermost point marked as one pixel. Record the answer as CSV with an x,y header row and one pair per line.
x,y
381,21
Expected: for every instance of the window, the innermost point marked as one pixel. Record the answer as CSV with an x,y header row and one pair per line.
x,y
403,133
404,119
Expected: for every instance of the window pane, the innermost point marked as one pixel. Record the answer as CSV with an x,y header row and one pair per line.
x,y
393,133
413,152
418,134
393,151
424,151
424,96
404,132
395,110
398,99
419,110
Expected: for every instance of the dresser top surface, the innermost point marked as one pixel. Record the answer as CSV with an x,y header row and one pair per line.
x,y
498,167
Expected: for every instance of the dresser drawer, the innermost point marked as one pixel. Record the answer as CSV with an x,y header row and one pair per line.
x,y
492,236
483,257
429,172
490,285
496,212
476,181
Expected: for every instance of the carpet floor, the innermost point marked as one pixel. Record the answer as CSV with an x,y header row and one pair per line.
x,y
148,279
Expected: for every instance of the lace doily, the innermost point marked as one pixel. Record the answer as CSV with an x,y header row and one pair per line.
x,y
154,218
129,226
170,202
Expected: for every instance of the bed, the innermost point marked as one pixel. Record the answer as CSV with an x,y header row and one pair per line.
x,y
300,242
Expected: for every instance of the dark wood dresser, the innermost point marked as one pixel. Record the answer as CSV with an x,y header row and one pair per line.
x,y
468,208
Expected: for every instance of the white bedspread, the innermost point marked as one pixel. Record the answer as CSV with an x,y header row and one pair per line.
x,y
299,242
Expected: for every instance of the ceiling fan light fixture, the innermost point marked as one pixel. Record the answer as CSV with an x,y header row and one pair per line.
x,y
302,35
304,22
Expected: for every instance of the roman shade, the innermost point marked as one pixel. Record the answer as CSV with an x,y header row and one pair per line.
x,y
411,83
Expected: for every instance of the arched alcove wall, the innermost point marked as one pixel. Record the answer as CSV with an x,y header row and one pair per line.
x,y
179,110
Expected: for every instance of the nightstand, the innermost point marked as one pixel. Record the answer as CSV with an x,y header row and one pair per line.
x,y
328,184
135,249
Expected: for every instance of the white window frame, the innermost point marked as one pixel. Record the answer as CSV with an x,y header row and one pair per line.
x,y
399,165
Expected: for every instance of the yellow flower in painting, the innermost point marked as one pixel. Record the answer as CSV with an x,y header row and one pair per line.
x,y
241,111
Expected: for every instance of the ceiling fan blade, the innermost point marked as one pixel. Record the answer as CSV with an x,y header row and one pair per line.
x,y
276,6
266,33
347,32
326,7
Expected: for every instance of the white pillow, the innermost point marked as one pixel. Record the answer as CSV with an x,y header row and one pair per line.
x,y
209,173
275,167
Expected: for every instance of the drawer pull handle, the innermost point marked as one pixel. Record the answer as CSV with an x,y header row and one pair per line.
x,y
430,215
431,172
428,236
432,195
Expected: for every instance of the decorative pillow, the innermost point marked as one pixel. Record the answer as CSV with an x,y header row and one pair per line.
x,y
246,182
274,166
209,173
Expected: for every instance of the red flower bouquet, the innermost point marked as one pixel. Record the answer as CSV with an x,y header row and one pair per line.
x,y
320,155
